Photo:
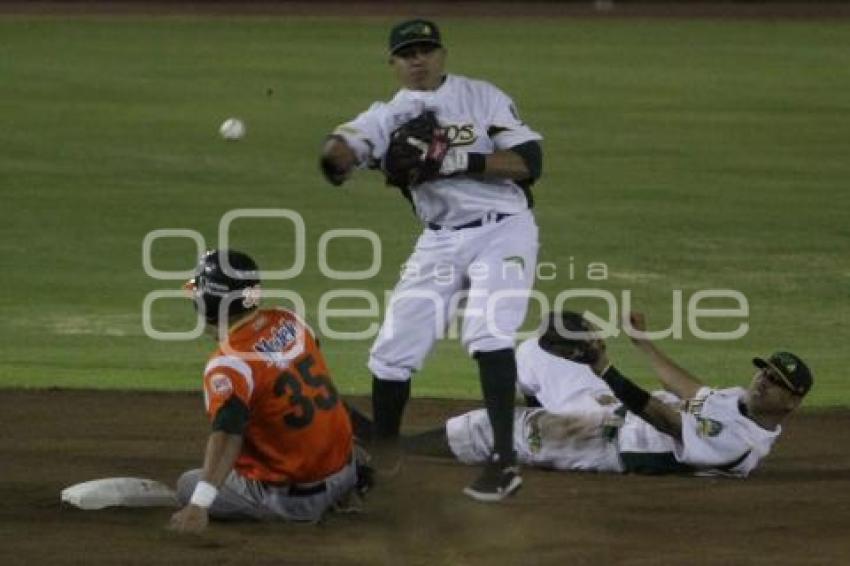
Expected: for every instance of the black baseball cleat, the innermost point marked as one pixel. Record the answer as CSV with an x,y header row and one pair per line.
x,y
495,483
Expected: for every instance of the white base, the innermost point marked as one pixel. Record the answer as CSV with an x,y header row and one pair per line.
x,y
124,492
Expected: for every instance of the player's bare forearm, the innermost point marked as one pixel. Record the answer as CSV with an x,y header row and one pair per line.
x,y
673,377
506,164
222,451
337,160
663,417
522,162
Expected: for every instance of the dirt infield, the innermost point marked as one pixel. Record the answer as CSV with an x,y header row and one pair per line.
x,y
794,510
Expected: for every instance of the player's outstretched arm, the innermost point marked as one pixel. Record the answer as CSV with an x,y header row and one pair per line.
x,y
337,160
663,417
673,377
222,450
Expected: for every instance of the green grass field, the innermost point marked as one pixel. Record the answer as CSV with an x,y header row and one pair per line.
x,y
682,154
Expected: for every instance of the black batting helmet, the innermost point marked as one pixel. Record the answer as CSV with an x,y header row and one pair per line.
x,y
236,280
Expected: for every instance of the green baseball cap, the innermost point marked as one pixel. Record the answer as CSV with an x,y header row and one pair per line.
x,y
791,369
414,31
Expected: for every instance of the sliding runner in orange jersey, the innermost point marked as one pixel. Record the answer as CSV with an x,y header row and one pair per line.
x,y
281,441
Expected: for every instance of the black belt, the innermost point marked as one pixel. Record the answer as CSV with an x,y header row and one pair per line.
x,y
295,490
474,224
301,491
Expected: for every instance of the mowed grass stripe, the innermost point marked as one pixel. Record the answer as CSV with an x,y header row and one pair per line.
x,y
684,155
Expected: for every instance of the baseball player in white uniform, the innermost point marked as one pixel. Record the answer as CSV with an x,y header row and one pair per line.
x,y
547,374
479,242
689,428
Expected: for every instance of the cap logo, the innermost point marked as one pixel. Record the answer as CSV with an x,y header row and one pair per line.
x,y
416,29
413,31
788,363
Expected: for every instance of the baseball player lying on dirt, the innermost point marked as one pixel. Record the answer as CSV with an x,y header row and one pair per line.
x,y
613,425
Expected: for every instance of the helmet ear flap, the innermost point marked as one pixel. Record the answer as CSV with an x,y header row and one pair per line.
x,y
206,303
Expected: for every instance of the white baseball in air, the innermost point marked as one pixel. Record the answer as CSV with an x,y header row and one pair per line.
x,y
232,129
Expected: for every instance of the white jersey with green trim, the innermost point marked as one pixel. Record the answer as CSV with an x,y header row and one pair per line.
x,y
554,381
717,437
479,117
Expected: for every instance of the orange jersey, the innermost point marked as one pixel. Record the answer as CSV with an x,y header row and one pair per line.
x,y
298,430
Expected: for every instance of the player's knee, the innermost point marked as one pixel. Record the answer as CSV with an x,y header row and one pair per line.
x,y
470,437
486,344
388,370
186,485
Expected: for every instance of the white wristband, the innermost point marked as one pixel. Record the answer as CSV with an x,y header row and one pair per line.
x,y
204,494
455,161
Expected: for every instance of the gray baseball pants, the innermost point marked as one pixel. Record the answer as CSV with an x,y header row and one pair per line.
x,y
243,498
